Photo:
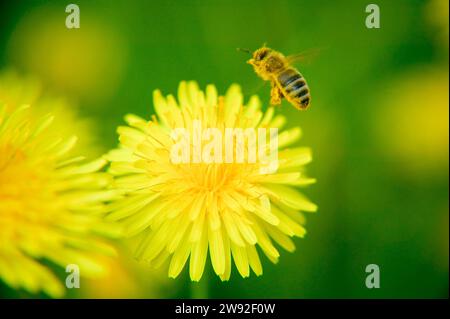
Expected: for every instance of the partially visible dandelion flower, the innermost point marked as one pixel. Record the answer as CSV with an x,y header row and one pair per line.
x,y
180,211
49,205
17,89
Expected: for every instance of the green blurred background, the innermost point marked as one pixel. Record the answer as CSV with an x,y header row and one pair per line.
x,y
378,125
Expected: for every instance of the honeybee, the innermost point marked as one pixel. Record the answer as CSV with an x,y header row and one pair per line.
x,y
286,81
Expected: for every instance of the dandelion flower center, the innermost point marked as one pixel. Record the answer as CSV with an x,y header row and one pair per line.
x,y
182,211
18,184
47,205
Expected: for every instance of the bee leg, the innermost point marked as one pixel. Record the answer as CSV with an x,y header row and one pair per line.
x,y
275,95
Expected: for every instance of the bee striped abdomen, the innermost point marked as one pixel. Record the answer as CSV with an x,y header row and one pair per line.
x,y
288,76
295,87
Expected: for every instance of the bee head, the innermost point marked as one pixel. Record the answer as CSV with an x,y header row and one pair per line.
x,y
259,55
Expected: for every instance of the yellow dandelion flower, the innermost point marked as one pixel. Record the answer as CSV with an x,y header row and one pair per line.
x,y
49,205
180,211
17,89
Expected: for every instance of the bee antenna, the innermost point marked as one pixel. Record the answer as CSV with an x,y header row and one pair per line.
x,y
244,50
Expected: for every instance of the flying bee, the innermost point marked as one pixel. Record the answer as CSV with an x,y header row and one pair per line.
x,y
286,81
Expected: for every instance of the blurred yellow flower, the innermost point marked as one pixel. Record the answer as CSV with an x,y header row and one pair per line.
x,y
127,278
87,62
182,210
49,205
411,125
16,90
437,15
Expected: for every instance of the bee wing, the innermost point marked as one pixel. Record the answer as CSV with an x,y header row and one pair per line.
x,y
305,56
